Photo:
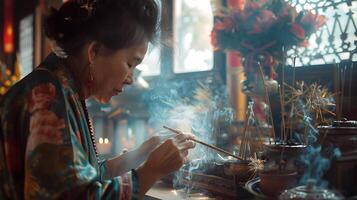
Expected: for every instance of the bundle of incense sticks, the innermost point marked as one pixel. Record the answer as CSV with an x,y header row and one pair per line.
x,y
205,144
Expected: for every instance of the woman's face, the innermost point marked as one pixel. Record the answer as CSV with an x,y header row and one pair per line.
x,y
112,71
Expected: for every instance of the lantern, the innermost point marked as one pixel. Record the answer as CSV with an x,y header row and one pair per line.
x,y
8,27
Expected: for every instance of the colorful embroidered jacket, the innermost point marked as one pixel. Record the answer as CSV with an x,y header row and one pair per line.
x,y
45,147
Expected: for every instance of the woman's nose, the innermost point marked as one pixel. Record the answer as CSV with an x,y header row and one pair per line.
x,y
129,79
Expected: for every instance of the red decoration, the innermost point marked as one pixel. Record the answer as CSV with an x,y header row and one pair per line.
x,y
8,27
236,4
42,4
233,59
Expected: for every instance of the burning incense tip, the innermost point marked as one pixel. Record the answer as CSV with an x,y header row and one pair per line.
x,y
205,144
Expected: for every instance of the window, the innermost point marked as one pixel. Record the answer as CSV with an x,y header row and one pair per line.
x,y
26,45
192,24
335,41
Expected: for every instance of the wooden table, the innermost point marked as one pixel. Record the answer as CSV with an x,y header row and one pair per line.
x,y
163,191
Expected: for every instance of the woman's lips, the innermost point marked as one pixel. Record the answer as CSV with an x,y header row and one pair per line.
x,y
117,91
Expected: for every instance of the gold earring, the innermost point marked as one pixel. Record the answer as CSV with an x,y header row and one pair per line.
x,y
90,82
90,72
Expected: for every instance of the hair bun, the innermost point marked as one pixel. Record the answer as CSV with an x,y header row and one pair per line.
x,y
68,21
116,24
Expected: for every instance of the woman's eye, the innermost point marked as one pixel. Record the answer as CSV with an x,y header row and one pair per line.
x,y
130,66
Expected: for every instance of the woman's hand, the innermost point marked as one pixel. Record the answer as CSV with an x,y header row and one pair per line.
x,y
164,159
149,145
131,159
170,155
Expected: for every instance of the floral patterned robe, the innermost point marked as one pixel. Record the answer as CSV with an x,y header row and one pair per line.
x,y
45,147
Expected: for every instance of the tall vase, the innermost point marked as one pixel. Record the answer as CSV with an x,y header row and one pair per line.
x,y
262,89
235,77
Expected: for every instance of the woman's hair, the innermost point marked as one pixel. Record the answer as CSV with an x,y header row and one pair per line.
x,y
116,24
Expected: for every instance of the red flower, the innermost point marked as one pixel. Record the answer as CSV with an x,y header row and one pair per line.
x,y
256,5
313,20
236,4
267,17
263,22
226,24
297,30
256,27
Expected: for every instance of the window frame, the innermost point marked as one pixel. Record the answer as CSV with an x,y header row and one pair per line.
x,y
167,53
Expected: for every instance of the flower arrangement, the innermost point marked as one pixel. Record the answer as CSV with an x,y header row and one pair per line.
x,y
263,30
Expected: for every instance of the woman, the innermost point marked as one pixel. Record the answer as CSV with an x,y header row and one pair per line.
x,y
47,146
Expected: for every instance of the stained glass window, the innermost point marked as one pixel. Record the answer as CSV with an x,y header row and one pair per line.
x,y
335,41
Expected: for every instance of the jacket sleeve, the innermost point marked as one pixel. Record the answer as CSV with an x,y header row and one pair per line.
x,y
56,164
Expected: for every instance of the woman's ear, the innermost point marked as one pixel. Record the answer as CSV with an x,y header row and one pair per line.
x,y
92,51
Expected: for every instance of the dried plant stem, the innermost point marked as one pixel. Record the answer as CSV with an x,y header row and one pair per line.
x,y
294,70
337,90
292,105
284,137
266,96
244,139
329,112
291,121
306,136
282,103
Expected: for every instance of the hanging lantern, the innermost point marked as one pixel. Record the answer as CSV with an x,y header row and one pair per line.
x,y
8,27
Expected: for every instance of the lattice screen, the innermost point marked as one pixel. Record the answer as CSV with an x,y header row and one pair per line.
x,y
336,41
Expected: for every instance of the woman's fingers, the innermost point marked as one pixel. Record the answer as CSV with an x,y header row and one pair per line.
x,y
189,144
167,136
184,136
184,153
170,155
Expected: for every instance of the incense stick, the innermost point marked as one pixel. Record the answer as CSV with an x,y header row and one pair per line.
x,y
343,74
292,104
244,139
294,69
350,86
282,103
266,96
282,127
337,89
205,144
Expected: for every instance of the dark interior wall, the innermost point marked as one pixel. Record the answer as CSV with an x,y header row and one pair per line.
x,y
2,57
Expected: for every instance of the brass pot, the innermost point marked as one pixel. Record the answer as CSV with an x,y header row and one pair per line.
x,y
273,182
240,170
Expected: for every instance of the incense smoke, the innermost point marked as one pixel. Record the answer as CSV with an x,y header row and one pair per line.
x,y
315,160
191,106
